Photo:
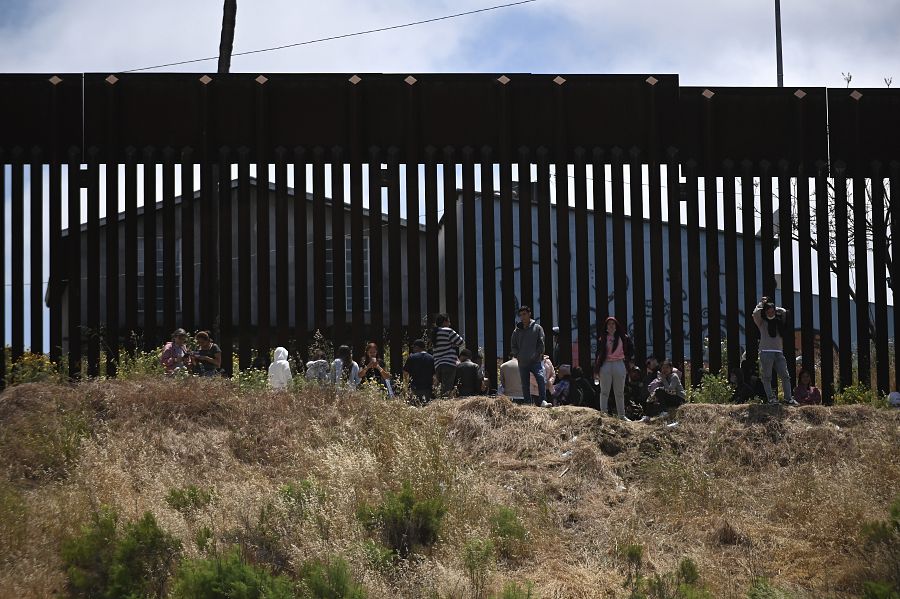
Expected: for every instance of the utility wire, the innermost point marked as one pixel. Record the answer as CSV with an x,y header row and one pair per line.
x,y
337,37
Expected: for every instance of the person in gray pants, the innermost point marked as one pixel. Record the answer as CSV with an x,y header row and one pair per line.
x,y
614,353
771,323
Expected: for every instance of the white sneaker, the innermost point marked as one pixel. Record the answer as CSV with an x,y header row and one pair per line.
x,y
546,404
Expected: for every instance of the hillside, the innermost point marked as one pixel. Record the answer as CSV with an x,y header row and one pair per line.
x,y
746,492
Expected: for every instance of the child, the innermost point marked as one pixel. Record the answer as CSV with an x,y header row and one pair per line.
x,y
806,394
280,370
468,375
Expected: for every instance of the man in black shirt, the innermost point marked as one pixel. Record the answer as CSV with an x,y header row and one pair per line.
x,y
469,375
418,373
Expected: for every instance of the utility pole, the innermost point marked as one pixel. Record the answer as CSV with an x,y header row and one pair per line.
x,y
778,43
229,15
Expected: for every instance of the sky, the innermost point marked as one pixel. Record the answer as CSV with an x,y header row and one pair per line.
x,y
706,42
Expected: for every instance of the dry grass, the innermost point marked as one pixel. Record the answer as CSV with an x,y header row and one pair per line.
x,y
744,491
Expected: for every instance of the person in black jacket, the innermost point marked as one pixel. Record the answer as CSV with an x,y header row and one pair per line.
x,y
615,353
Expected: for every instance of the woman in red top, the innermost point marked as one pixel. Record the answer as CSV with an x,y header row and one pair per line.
x,y
806,394
614,352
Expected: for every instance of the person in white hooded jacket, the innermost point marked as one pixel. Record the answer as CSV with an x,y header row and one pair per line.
x,y
280,376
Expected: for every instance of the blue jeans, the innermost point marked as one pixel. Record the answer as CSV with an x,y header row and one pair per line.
x,y
537,369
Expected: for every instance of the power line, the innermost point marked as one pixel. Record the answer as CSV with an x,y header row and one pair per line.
x,y
338,37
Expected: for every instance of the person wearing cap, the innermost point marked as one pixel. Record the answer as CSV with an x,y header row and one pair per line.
x,y
771,322
175,354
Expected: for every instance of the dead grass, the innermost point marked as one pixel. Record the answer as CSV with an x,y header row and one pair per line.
x,y
744,491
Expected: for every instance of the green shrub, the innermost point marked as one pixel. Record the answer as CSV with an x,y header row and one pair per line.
x,y
228,577
512,590
880,590
478,558
302,498
714,388
860,394
34,368
406,522
764,589
251,380
380,558
103,562
189,500
882,551
140,364
330,580
508,532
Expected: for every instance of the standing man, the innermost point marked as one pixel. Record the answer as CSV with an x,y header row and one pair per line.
x,y
528,346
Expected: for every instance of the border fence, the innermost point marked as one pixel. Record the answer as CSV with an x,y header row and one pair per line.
x,y
683,196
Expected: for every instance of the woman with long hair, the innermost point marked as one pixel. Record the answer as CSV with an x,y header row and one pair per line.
x,y
372,368
614,352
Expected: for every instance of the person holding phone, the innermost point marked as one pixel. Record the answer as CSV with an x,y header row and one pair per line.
x,y
372,368
207,360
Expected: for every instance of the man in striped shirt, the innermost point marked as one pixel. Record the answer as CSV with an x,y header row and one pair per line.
x,y
445,344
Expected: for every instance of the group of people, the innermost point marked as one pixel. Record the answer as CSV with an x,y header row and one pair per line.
x,y
441,367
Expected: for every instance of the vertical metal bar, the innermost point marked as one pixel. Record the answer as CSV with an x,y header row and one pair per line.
x,y
54,287
169,234
488,267
767,229
395,265
357,241
786,245
451,243
319,229
713,289
282,290
507,260
301,240
263,252
751,298
188,297
695,299
526,255
432,267
74,246
376,249
804,223
130,268
470,269
152,337
111,336
245,257
842,262
413,268
823,259
638,266
563,258
55,272
861,267
882,368
545,238
226,262
732,276
338,263
17,266
676,304
620,275
37,252
894,212
601,282
93,264
582,268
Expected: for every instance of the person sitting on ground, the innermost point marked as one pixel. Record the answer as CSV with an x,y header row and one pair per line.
x,y
280,376
317,368
666,392
743,392
651,370
750,377
636,393
510,381
418,373
469,375
372,369
175,355
207,359
583,393
893,399
563,387
344,371
806,394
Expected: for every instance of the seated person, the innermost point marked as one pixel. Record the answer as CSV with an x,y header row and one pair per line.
x,y
469,376
587,391
418,373
510,381
806,394
175,355
636,393
666,392
207,360
743,392
651,370
317,368
563,387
